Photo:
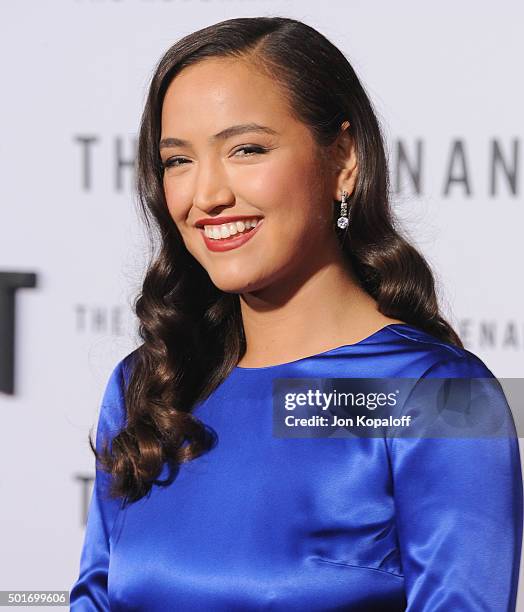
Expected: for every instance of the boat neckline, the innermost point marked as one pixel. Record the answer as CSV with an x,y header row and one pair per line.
x,y
328,351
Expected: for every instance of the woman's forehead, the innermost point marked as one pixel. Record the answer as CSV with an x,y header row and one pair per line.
x,y
220,92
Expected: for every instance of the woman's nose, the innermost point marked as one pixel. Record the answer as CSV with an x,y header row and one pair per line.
x,y
212,189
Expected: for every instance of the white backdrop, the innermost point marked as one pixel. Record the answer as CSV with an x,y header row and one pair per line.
x,y
444,79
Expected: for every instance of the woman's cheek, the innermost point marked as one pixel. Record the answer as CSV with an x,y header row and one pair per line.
x,y
263,186
174,202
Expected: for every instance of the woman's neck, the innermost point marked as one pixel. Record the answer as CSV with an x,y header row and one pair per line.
x,y
294,319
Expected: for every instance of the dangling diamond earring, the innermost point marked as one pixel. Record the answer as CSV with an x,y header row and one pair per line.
x,y
343,220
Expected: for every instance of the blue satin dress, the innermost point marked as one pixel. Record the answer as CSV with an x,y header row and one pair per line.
x,y
333,524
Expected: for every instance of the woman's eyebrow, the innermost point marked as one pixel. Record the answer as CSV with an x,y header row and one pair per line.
x,y
233,130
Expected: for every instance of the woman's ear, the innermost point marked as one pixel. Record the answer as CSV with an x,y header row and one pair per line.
x,y
345,157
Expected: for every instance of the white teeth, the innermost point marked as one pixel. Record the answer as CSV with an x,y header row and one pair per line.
x,y
226,230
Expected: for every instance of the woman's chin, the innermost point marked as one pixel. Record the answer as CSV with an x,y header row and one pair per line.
x,y
234,283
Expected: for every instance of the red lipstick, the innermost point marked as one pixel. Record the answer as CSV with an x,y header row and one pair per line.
x,y
233,242
220,220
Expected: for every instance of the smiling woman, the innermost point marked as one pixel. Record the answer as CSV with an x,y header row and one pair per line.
x,y
248,170
261,166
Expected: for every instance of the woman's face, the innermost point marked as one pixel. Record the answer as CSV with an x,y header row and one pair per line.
x,y
215,169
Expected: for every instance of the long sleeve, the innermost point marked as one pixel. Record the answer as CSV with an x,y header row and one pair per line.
x,y
459,512
90,590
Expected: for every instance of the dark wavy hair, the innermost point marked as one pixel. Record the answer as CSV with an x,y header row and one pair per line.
x,y
192,332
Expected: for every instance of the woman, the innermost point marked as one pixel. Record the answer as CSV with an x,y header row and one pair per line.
x,y
262,166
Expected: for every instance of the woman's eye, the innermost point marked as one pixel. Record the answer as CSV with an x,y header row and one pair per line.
x,y
250,149
174,161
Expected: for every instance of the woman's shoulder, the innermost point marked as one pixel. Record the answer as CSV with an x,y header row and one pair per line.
x,y
112,416
119,379
455,393
439,358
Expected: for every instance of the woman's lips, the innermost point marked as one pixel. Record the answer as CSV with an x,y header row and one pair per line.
x,y
233,242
